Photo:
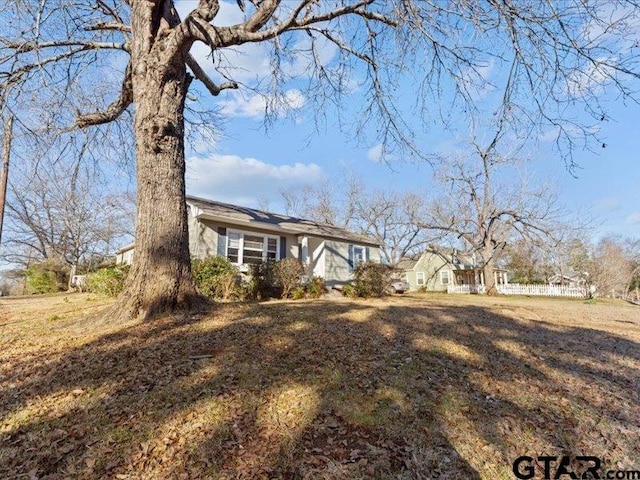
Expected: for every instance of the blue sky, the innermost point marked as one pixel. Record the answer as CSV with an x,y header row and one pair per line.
x,y
249,164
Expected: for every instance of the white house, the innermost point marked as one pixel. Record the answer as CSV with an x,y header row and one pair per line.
x,y
245,236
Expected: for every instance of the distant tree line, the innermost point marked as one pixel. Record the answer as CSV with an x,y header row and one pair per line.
x,y
611,264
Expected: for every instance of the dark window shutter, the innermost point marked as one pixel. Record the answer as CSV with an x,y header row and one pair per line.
x,y
367,257
222,241
350,258
283,247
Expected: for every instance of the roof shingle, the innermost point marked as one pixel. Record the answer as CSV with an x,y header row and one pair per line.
x,y
299,226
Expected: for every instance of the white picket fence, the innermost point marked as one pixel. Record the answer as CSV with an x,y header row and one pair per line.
x,y
543,290
519,289
465,289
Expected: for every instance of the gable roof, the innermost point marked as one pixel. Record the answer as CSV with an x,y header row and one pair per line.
x,y
457,259
126,248
569,276
237,215
407,263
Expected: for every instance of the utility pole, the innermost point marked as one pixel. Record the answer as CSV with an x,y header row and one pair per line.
x,y
6,154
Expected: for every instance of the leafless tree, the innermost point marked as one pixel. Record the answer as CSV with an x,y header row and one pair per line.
x,y
611,267
487,212
392,218
552,54
389,217
6,157
58,213
332,201
525,262
633,249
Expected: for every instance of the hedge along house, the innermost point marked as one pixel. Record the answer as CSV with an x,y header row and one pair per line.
x,y
246,236
438,269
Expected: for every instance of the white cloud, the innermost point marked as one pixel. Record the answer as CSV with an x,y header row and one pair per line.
x,y
376,153
237,105
251,63
247,63
477,80
307,53
608,204
234,179
607,23
550,135
255,106
633,219
593,78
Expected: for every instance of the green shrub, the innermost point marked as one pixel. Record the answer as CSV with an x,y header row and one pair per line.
x,y
348,290
108,280
298,293
316,287
216,277
286,275
46,277
371,279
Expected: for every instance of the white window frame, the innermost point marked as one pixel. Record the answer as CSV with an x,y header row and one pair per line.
x,y
442,275
420,279
265,247
363,257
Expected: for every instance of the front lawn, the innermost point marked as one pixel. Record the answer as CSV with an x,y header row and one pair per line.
x,y
418,386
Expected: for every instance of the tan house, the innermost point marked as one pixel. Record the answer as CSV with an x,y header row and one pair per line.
x,y
246,236
439,269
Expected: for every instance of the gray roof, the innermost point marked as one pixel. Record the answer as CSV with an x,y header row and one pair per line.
x,y
126,248
235,214
457,259
407,263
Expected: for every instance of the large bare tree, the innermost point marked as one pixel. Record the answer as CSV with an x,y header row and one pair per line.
x,y
390,217
487,211
614,265
62,214
551,53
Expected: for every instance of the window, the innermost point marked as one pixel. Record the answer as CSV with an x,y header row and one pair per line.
x,y
252,251
444,277
233,247
272,248
358,255
247,248
420,278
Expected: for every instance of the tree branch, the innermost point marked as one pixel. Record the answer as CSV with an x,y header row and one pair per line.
x,y
115,26
114,110
217,37
27,47
201,75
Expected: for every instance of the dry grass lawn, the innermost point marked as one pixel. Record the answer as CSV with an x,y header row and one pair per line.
x,y
422,386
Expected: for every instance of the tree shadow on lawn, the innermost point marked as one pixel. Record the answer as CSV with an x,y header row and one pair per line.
x,y
322,390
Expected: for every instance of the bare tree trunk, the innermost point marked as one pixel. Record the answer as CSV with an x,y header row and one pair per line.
x,y
72,273
490,279
489,272
160,278
6,155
